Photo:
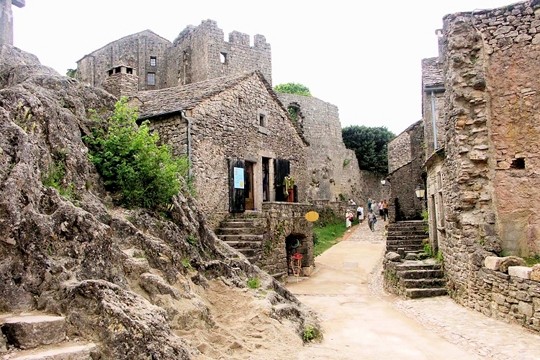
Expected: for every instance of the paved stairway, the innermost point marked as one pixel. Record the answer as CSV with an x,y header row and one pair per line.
x,y
406,235
245,233
37,336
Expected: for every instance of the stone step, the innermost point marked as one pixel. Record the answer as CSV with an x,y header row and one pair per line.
x,y
405,234
30,330
237,224
241,231
244,244
422,293
405,241
420,274
64,351
240,237
412,265
408,248
423,283
249,253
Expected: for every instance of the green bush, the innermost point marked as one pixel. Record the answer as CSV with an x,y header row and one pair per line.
x,y
132,164
254,283
310,333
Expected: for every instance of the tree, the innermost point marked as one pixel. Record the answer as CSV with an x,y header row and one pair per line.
x,y
370,144
131,162
71,73
292,88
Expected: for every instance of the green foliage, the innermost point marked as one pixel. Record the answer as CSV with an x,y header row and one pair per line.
x,y
254,283
370,145
71,73
54,177
191,239
439,257
292,88
532,260
346,162
132,164
327,236
310,333
293,112
428,249
186,264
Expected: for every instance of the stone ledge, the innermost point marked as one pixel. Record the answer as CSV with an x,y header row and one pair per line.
x,y
523,272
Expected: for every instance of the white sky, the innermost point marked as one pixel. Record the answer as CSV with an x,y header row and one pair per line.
x,y
364,57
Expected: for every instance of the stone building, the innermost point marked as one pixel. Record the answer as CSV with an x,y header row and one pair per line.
x,y
227,126
197,54
406,173
482,158
334,174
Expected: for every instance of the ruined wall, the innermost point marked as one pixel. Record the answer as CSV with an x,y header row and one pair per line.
x,y
405,163
201,53
492,85
433,104
333,169
223,128
133,51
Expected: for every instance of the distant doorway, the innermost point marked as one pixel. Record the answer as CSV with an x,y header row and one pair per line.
x,y
266,178
249,193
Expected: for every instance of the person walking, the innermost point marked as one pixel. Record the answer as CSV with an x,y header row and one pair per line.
x,y
360,213
385,209
348,219
372,220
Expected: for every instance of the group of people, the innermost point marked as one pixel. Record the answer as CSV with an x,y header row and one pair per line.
x,y
373,207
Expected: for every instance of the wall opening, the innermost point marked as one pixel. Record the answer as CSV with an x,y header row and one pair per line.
x,y
223,57
296,250
518,163
151,78
153,61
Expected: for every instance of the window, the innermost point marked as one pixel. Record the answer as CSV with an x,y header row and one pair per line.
x,y
223,57
153,61
262,120
518,163
151,78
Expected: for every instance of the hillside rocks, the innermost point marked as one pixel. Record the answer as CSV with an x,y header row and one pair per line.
x,y
134,282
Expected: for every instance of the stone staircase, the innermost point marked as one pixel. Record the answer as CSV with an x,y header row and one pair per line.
x,y
415,278
406,236
37,336
245,233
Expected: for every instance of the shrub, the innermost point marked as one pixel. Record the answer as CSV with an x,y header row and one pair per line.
x,y
254,283
131,162
310,333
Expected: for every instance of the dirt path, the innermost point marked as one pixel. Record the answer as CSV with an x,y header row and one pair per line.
x,y
358,322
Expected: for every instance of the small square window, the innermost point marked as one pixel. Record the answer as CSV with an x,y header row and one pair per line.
x,y
153,61
151,78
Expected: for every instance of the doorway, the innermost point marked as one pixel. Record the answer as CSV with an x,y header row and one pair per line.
x,y
249,193
266,178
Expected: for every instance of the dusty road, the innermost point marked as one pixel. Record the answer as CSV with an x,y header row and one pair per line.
x,y
360,321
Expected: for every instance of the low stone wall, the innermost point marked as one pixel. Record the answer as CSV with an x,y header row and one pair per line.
x,y
285,219
510,293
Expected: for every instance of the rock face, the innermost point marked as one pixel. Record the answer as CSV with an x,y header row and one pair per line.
x,y
134,282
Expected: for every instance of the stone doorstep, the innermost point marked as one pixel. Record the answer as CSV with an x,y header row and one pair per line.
x,y
422,293
64,351
30,330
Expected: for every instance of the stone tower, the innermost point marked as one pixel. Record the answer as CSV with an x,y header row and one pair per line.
x,y
6,20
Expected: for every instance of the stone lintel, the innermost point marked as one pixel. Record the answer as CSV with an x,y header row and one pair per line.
x,y
18,3
523,272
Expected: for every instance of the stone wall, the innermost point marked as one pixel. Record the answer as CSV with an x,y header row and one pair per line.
x,y
333,169
223,130
492,86
286,219
202,53
132,51
406,161
433,104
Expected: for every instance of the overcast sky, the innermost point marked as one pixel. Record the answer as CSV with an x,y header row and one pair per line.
x,y
363,57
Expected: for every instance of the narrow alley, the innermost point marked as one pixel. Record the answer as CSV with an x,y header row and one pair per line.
x,y
361,321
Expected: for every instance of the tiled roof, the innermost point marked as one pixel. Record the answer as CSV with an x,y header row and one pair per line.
x,y
432,73
174,99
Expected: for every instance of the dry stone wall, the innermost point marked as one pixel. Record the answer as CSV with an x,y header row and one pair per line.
x,y
333,169
492,85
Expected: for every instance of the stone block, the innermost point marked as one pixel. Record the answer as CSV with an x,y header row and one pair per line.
x,y
492,262
525,308
535,273
498,298
29,331
523,272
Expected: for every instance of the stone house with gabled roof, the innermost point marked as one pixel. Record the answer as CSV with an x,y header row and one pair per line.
x,y
225,126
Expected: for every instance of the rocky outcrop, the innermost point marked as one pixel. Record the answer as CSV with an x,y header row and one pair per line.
x,y
133,282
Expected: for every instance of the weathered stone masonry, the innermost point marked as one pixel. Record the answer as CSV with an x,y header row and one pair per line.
x,y
492,136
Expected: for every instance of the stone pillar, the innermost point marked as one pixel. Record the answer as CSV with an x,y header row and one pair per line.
x,y
6,20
